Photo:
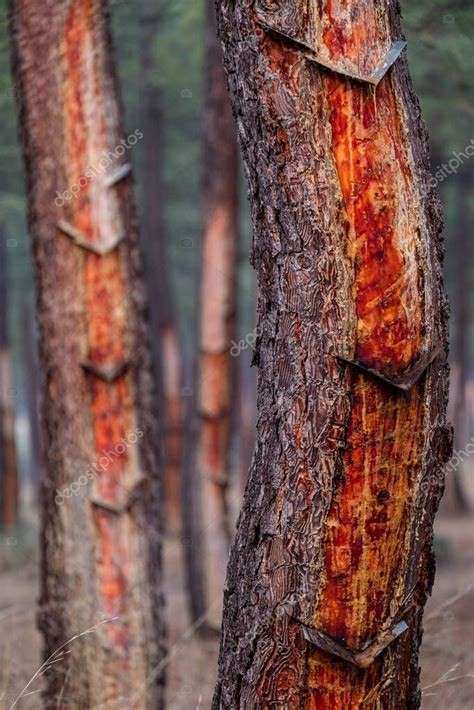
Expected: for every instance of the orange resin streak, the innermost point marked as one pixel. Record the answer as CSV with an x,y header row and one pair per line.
x,y
334,685
364,548
365,538
104,294
375,181
214,403
212,457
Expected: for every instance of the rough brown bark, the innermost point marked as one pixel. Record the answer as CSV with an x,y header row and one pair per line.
x,y
101,489
8,467
217,367
162,308
332,560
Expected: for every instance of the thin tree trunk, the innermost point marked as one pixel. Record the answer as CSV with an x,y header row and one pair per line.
x,y
8,463
101,489
332,561
247,395
31,384
246,419
216,380
456,498
163,316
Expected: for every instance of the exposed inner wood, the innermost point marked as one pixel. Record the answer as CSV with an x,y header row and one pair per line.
x,y
96,212
364,550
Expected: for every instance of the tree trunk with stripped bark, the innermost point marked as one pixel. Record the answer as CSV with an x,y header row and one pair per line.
x,y
101,490
217,367
332,561
8,463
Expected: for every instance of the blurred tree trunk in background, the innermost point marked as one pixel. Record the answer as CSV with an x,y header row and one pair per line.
x,y
247,407
456,498
166,345
216,397
32,392
332,561
8,462
101,522
247,394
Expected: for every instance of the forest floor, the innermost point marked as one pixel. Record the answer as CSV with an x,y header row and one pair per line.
x,y
447,657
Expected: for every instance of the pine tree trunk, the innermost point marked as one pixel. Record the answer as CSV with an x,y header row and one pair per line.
x,y
30,369
101,490
162,308
332,561
217,367
8,467
456,495
247,386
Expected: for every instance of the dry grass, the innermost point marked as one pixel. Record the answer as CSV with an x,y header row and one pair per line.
x,y
447,657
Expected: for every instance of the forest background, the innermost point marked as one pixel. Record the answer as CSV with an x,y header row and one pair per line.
x,y
440,37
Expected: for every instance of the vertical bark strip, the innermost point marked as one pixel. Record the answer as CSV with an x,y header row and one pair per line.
x,y
217,313
101,522
332,561
8,463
